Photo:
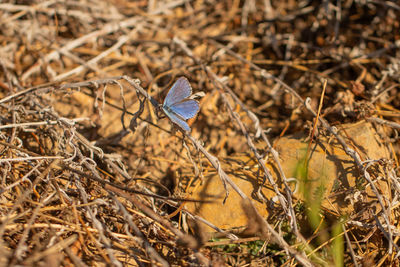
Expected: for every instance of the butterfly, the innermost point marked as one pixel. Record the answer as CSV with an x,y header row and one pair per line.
x,y
177,104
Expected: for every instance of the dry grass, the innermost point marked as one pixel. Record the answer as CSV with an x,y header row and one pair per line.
x,y
92,175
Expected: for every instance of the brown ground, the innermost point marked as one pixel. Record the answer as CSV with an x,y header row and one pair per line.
x,y
93,173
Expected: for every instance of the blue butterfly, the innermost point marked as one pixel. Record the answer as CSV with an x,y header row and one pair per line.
x,y
177,106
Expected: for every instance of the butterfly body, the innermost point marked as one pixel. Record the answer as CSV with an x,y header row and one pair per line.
x,y
177,104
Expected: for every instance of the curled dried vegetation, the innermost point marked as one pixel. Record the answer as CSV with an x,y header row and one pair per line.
x,y
89,173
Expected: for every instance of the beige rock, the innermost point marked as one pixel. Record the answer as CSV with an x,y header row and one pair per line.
x,y
330,170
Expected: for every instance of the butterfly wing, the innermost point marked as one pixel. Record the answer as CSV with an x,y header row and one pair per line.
x,y
186,109
178,92
175,119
